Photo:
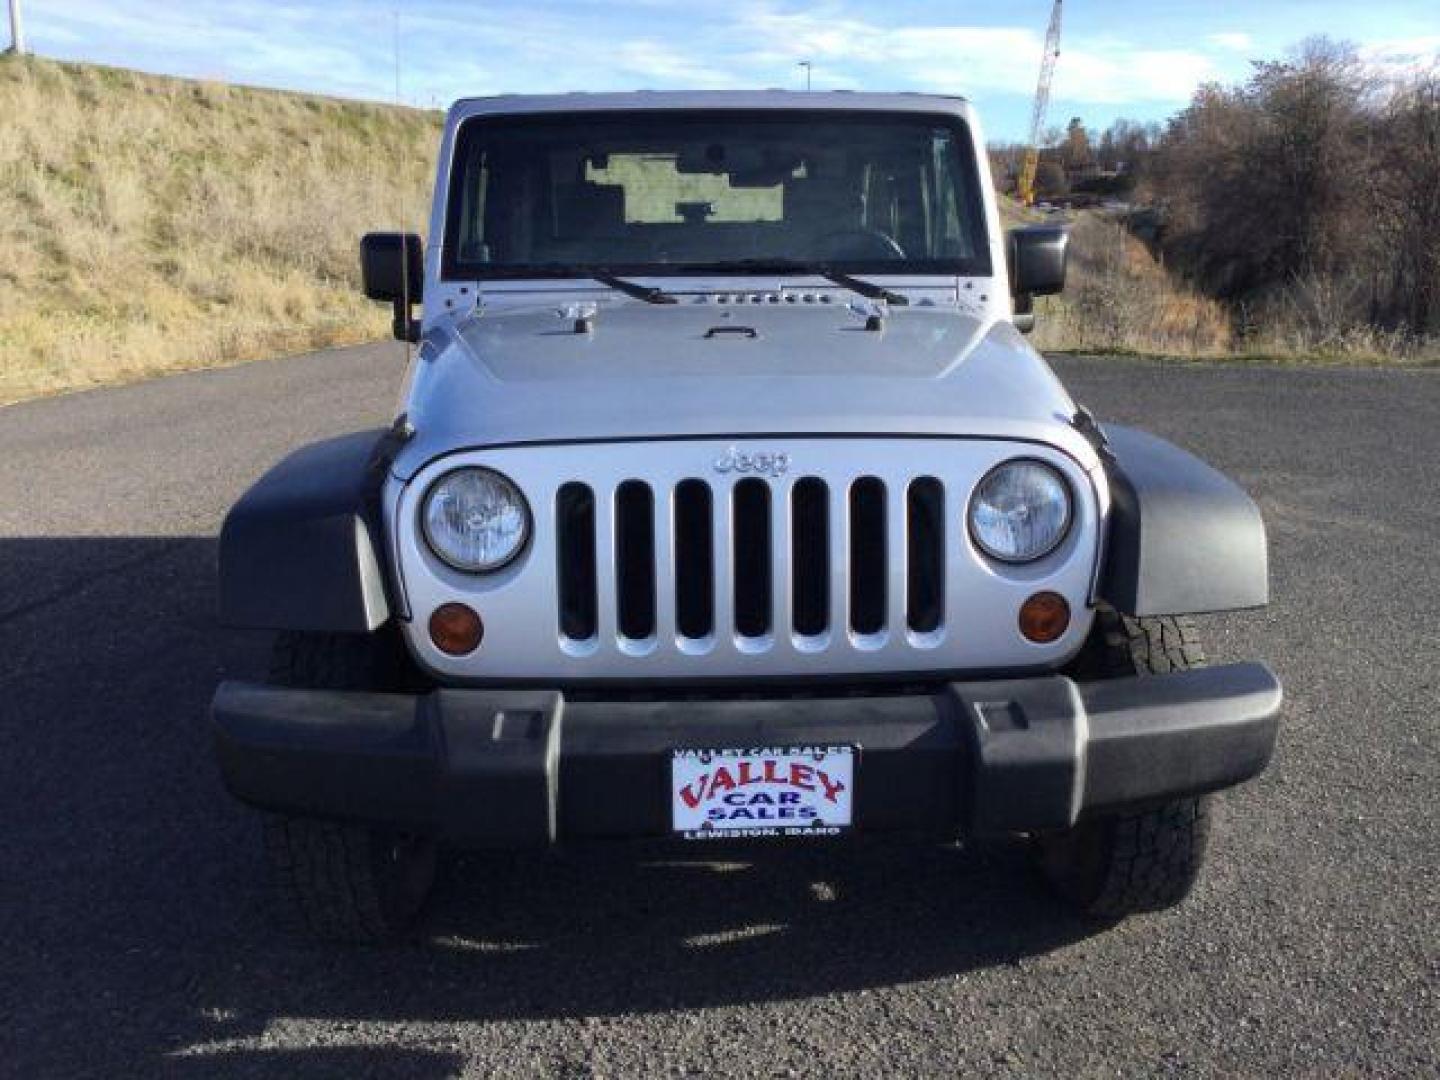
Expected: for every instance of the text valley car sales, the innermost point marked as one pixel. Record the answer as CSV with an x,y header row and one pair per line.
x,y
782,791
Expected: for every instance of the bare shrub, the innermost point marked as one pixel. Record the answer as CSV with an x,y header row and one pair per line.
x,y
1308,199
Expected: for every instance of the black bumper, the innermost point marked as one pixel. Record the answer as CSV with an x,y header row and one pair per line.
x,y
489,768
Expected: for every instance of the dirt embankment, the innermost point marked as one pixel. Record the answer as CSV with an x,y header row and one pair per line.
x,y
150,224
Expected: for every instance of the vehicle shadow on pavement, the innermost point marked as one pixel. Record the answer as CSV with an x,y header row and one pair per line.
x,y
140,928
656,927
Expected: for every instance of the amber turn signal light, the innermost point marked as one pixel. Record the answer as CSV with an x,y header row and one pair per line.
x,y
1044,617
456,629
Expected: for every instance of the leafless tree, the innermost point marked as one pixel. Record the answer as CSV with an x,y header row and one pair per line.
x,y
1310,190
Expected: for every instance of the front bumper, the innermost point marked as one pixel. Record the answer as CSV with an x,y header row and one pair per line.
x,y
493,768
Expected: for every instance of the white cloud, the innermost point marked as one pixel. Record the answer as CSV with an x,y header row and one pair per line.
x,y
1120,76
1400,59
972,60
665,65
1234,40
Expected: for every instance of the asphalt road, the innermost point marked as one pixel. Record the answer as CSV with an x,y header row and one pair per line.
x,y
135,931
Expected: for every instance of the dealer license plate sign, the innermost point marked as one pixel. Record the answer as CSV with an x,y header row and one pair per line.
x,y
786,791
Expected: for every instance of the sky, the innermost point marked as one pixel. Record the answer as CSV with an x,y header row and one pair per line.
x,y
1119,58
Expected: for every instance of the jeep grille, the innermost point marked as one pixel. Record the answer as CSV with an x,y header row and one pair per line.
x,y
800,557
753,559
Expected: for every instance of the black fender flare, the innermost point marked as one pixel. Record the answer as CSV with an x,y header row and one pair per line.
x,y
303,549
1183,538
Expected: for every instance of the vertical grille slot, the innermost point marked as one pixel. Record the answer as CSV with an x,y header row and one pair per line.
x,y
635,559
752,558
868,564
694,560
810,556
925,562
575,561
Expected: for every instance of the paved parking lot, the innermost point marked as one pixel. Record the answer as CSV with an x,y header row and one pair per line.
x,y
135,922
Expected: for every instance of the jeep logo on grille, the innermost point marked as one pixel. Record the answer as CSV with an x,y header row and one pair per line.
x,y
775,464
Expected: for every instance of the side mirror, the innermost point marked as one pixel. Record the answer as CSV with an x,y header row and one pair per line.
x,y
1038,255
392,270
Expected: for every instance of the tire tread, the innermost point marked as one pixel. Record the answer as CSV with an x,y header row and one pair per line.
x,y
329,876
1140,860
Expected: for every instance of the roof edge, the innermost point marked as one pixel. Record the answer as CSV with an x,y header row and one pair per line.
x,y
584,101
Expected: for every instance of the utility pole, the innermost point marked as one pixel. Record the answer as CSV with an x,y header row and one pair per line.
x,y
17,29
803,63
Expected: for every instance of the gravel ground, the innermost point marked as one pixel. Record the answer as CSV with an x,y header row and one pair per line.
x,y
137,938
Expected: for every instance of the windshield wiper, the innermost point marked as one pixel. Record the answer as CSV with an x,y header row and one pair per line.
x,y
648,293
867,289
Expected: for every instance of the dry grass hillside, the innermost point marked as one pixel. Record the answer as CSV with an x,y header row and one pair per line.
x,y
1118,299
151,224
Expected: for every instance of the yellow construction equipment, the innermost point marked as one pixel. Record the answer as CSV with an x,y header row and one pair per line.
x,y
1028,168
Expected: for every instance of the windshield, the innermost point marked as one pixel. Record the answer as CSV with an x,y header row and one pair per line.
x,y
678,192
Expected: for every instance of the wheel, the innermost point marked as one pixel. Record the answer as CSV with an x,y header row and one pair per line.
x,y
1124,863
343,881
348,883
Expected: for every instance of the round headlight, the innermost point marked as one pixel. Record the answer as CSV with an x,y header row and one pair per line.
x,y
1020,511
475,519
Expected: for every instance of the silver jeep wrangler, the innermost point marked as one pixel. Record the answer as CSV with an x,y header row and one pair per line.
x,y
728,501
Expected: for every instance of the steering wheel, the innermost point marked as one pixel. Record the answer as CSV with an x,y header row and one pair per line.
x,y
874,242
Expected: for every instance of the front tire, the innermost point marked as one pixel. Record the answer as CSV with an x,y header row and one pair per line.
x,y
349,883
1124,863
342,881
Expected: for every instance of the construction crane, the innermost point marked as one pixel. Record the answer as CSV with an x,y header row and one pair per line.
x,y
1031,164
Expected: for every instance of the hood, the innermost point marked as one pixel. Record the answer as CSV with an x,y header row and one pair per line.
x,y
710,370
